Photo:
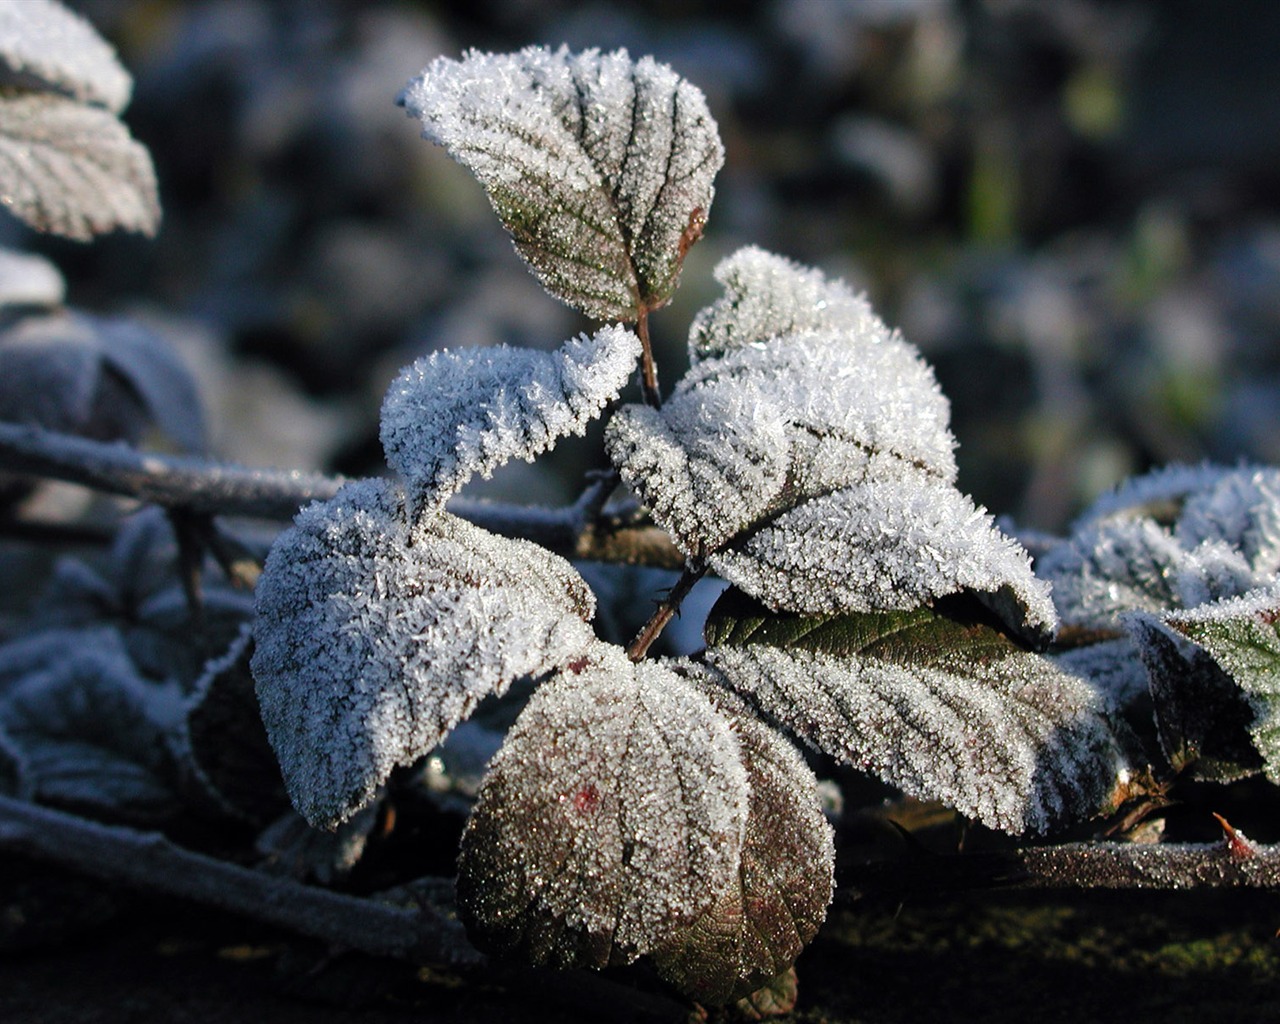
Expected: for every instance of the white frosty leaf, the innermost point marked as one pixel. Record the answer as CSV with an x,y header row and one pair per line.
x,y
91,734
759,926
374,638
45,45
73,169
808,436
29,280
451,415
600,167
614,812
1176,538
942,710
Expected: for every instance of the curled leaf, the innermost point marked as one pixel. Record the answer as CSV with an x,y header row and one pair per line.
x,y
72,169
940,708
375,637
599,166
806,457
451,415
613,814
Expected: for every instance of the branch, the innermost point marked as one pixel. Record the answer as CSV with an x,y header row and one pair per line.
x,y
214,488
667,610
151,863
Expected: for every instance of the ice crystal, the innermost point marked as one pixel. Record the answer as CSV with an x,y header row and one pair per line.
x,y
942,710
614,812
599,166
806,456
452,415
375,637
1176,538
44,45
758,927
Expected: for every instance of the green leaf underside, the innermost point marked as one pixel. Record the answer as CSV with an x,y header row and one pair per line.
x,y
598,166
942,709
1243,638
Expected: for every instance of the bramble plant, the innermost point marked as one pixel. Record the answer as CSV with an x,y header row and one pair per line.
x,y
635,807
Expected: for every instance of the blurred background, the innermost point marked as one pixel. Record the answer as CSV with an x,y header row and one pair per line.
x,y
1071,206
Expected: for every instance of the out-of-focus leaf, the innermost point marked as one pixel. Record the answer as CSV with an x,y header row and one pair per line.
x,y
29,280
312,854
451,415
942,709
806,457
600,167
73,169
92,735
374,638
226,743
613,815
45,45
754,932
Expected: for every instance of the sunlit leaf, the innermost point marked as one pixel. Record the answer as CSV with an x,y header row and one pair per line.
x,y
943,709
29,280
45,45
806,457
599,166
374,638
451,415
613,814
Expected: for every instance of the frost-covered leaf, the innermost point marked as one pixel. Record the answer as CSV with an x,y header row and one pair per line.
x,y
295,848
374,638
98,377
599,166
943,709
806,456
29,280
451,415
73,169
91,734
614,813
754,932
1176,538
46,46
1219,665
225,744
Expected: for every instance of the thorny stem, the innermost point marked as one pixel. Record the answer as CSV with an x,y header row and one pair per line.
x,y
213,488
667,610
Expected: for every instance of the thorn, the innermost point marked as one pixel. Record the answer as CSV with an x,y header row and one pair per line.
x,y
1239,845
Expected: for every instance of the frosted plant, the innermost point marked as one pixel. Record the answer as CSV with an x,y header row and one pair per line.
x,y
451,415
68,165
806,457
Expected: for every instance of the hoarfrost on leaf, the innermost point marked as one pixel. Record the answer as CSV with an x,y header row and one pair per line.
x,y
759,926
451,415
806,456
44,45
942,709
599,166
73,169
614,813
375,637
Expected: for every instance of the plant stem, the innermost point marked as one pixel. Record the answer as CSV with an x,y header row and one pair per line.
x,y
207,487
151,863
667,609
648,370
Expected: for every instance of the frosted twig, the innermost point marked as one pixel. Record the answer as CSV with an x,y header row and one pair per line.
x,y
151,863
667,610
207,486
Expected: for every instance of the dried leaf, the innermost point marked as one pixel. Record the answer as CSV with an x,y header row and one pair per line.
x,y
374,638
754,932
73,169
942,709
451,415
44,45
806,457
613,814
600,167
